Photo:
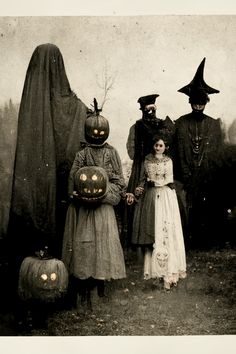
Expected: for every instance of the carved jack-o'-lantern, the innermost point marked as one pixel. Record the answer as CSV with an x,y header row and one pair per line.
x,y
96,127
44,279
91,183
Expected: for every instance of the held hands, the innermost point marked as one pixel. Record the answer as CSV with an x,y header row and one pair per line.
x,y
138,191
130,198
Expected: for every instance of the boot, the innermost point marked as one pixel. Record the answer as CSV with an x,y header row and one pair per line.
x,y
101,288
84,304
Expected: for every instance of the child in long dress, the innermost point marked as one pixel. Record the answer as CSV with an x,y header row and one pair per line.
x,y
92,250
160,230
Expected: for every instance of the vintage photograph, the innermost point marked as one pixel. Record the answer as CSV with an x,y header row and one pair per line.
x,y
117,174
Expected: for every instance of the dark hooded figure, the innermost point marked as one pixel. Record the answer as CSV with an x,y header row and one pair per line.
x,y
139,144
198,148
50,130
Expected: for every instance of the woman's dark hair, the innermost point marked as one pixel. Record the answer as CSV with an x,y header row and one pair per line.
x,y
162,136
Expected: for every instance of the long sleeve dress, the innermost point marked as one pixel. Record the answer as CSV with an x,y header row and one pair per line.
x,y
157,222
139,144
91,245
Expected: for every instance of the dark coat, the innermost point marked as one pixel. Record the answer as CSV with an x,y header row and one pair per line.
x,y
198,156
198,145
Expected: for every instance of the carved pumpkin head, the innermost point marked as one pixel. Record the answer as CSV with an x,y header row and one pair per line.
x,y
91,183
96,127
44,279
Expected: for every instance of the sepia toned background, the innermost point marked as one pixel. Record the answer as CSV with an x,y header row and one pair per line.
x,y
160,54
135,55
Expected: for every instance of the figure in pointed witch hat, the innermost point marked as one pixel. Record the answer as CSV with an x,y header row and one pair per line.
x,y
198,87
198,144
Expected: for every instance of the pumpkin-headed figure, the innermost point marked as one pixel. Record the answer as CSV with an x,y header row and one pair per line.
x,y
91,183
42,278
96,127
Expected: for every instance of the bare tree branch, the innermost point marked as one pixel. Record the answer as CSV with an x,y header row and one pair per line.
x,y
106,84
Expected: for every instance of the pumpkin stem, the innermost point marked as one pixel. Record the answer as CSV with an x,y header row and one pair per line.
x,y
43,253
97,110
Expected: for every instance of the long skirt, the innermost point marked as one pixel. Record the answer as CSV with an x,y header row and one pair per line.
x,y
91,245
160,220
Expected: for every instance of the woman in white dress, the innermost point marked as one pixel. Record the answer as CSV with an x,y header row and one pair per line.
x,y
160,230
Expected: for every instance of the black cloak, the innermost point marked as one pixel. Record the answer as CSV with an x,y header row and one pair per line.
x,y
50,131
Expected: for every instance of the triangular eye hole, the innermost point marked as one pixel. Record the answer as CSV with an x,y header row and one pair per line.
x,y
95,131
94,177
102,132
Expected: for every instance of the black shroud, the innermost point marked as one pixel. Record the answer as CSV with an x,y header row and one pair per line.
x,y
50,131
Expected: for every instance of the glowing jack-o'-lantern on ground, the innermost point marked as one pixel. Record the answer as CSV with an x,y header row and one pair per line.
x,y
91,183
42,278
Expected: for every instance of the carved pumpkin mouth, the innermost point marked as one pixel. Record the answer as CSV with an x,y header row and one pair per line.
x,y
93,191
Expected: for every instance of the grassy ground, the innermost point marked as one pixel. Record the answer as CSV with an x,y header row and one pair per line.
x,y
202,304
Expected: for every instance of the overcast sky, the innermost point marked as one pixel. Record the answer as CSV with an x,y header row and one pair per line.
x,y
142,55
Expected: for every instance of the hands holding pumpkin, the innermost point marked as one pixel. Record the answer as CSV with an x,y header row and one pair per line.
x,y
73,195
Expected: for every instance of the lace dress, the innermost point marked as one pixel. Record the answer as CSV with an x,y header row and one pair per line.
x,y
160,223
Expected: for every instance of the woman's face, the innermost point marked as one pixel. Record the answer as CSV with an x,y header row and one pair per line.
x,y
159,147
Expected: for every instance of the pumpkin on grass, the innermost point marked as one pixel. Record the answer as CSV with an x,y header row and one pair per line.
x,y
91,183
42,278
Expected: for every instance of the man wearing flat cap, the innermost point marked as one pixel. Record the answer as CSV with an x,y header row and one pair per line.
x,y
139,144
198,143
